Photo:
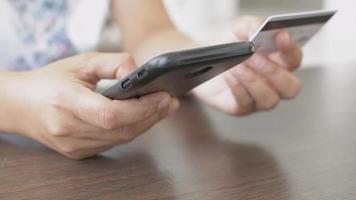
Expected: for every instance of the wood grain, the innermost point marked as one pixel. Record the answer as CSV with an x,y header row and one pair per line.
x,y
305,149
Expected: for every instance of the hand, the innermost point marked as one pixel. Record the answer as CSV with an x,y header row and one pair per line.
x,y
57,106
261,82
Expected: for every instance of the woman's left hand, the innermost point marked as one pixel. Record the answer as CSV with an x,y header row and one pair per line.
x,y
261,82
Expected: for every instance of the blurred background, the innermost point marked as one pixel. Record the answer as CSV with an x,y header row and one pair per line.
x,y
200,19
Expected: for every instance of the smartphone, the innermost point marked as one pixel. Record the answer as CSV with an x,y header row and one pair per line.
x,y
179,72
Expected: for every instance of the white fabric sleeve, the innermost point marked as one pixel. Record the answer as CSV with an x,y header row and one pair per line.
x,y
201,19
86,22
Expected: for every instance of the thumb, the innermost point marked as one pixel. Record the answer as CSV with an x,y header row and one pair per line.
x,y
108,66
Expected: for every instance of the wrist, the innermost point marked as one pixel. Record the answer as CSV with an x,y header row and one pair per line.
x,y
11,111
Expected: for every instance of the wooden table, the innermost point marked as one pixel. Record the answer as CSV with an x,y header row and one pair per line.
x,y
305,149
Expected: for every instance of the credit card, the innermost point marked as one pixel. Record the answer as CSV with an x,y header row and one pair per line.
x,y
301,26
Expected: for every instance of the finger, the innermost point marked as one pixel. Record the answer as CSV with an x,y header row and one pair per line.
x,y
67,124
75,148
126,134
130,133
265,97
87,153
283,81
107,66
290,54
242,103
104,113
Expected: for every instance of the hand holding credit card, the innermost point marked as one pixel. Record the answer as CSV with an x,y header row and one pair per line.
x,y
301,26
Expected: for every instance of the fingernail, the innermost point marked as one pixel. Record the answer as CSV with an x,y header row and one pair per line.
x,y
173,107
164,103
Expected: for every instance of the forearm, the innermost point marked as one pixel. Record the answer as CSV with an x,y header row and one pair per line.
x,y
163,41
146,29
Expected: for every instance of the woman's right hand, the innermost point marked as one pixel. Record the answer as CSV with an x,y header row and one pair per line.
x,y
57,105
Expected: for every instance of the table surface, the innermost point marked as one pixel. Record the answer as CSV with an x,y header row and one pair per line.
x,y
305,149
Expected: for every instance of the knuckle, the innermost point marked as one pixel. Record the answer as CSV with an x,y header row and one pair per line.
x,y
108,118
149,111
264,66
127,57
152,110
59,130
270,69
127,135
127,61
149,107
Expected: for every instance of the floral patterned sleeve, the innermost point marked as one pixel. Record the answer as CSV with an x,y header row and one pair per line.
x,y
40,26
